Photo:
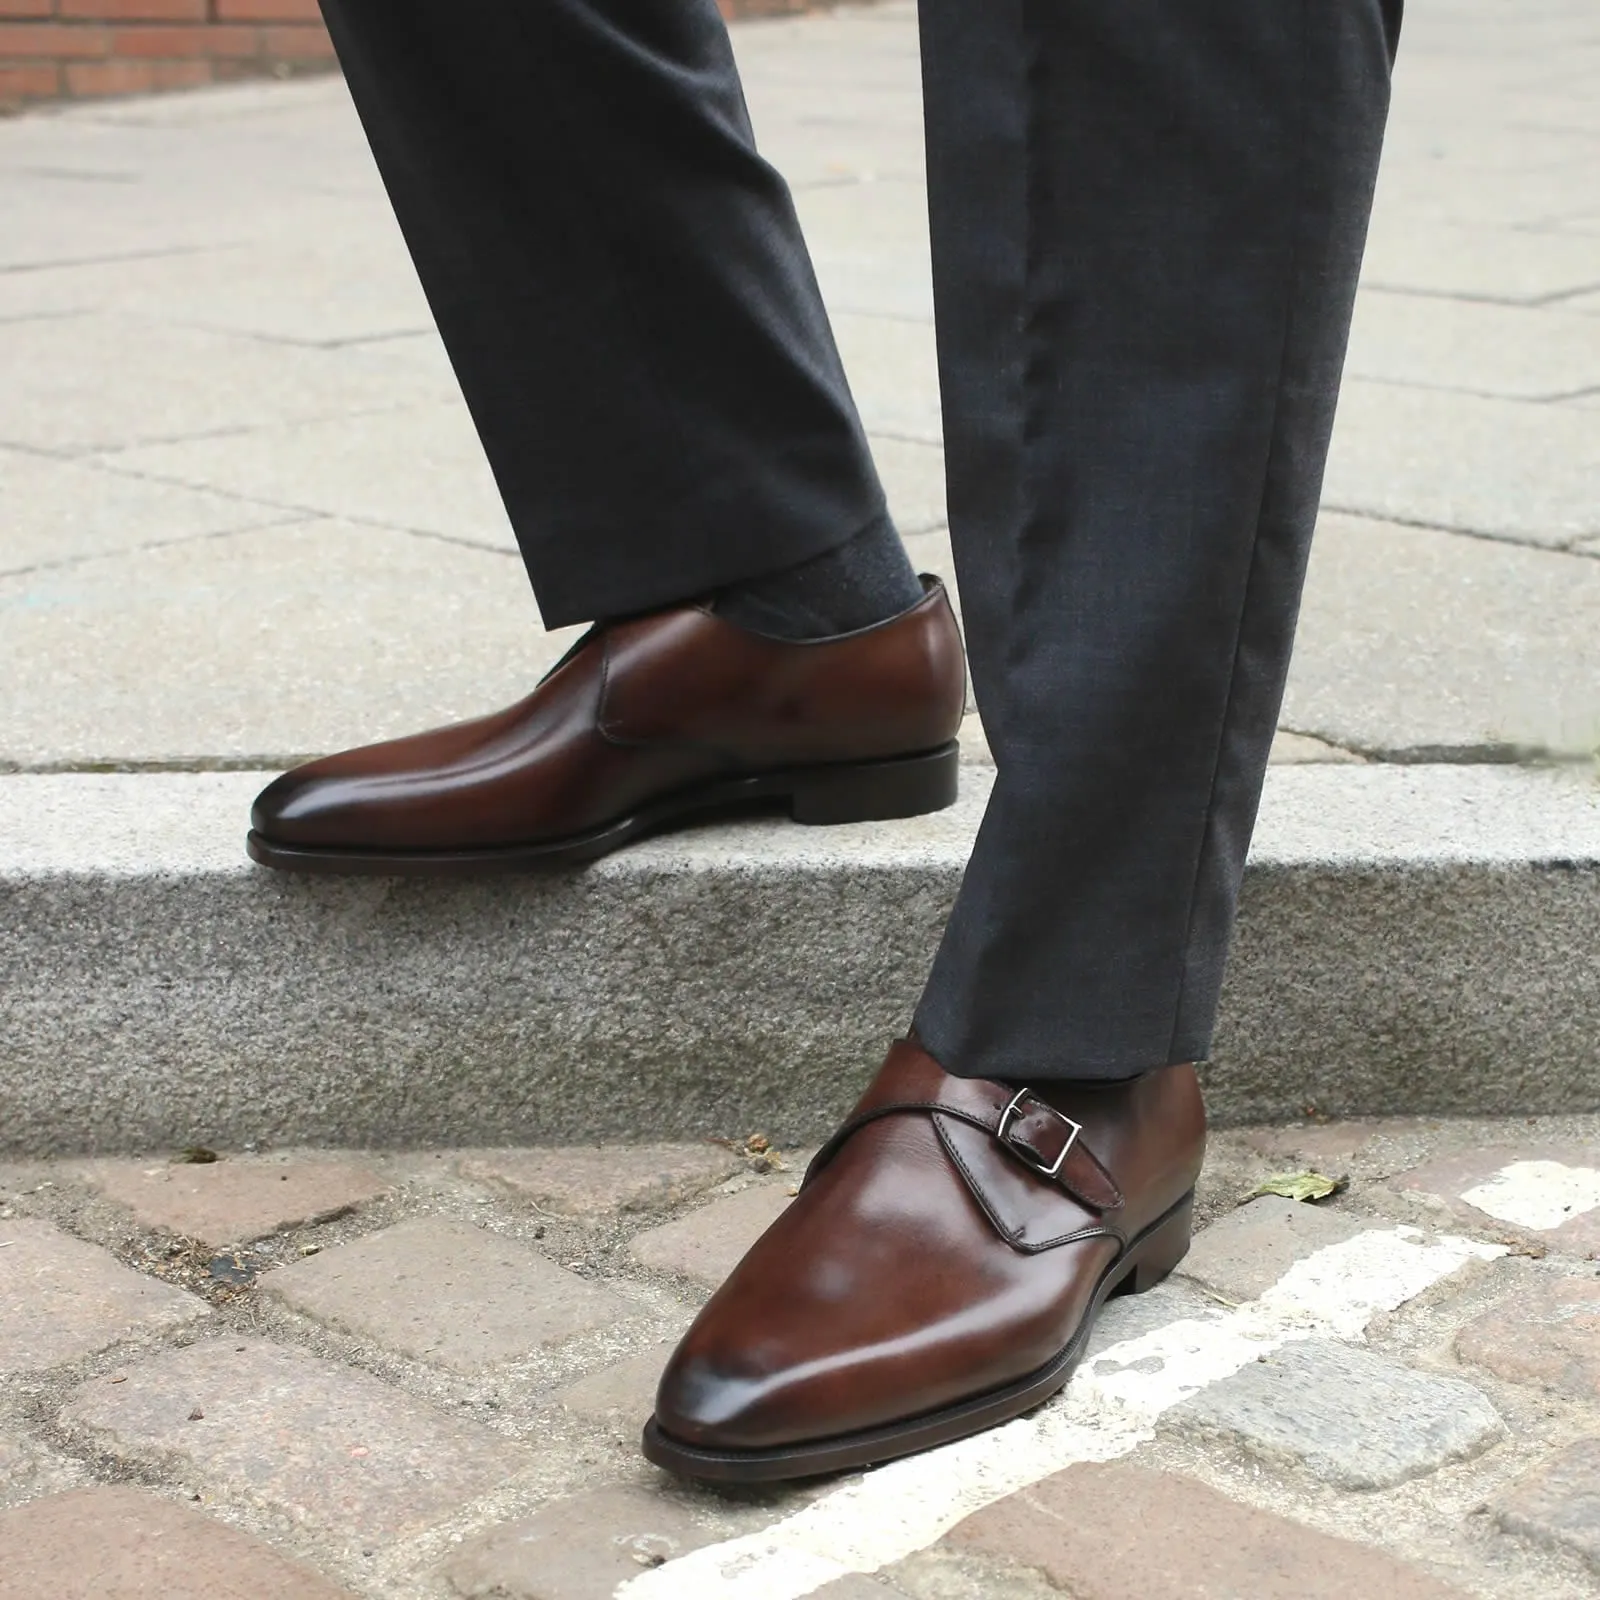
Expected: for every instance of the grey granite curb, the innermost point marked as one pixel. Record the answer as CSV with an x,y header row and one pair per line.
x,y
1411,940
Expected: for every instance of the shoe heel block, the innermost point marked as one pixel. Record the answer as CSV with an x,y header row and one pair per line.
x,y
1155,1254
873,791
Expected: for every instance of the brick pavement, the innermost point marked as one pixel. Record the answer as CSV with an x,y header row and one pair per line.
x,y
435,1391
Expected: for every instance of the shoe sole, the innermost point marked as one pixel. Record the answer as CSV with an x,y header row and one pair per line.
x,y
1146,1262
864,791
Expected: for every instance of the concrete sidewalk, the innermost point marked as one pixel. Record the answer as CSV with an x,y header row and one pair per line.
x,y
245,519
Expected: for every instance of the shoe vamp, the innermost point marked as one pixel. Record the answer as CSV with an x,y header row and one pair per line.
x,y
537,772
883,1293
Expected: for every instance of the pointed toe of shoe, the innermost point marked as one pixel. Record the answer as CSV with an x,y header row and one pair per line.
x,y
713,1401
308,808
277,809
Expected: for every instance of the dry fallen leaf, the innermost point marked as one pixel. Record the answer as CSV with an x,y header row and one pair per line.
x,y
1300,1186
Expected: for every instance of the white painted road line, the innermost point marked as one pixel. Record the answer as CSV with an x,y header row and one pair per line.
x,y
1537,1194
1108,1410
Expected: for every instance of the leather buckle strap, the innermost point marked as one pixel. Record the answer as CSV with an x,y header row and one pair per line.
x,y
1029,1129
1027,1149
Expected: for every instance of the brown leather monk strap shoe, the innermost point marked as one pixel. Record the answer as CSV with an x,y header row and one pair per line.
x,y
646,723
938,1274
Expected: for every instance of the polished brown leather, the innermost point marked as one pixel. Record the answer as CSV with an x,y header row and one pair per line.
x,y
639,709
926,1260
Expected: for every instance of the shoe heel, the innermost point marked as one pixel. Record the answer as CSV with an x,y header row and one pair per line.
x,y
875,791
1155,1256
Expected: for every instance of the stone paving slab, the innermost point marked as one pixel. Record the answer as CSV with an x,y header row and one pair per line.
x,y
582,1180
170,381
1492,1190
305,1438
913,479
447,1292
1545,1333
1303,749
338,285
1512,352
856,1587
15,1458
423,470
1330,1143
893,373
1473,261
272,243
1443,172
29,1469
99,646
1132,1316
61,511
621,1394
870,246
706,1245
1248,1250
61,1299
1349,1417
1523,472
1122,1531
1558,1503
122,1543
46,229
581,1548
363,1010
238,1200
1474,679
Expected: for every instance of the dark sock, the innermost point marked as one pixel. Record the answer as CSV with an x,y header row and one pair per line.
x,y
1043,1086
866,580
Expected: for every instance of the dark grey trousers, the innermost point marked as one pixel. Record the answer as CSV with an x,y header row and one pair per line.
x,y
1147,218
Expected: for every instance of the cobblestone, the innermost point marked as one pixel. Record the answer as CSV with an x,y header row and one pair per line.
x,y
238,1199
271,1429
1133,1316
316,1441
1549,1197
1545,1333
121,1543
61,1299
624,1393
1558,1504
1348,1416
26,1469
576,1549
1244,1253
590,1182
447,1292
855,1587
1318,1144
708,1244
1122,1531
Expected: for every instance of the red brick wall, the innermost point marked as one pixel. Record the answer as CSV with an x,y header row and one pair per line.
x,y
54,49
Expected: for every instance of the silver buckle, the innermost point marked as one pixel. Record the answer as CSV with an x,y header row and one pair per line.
x,y
1027,1157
